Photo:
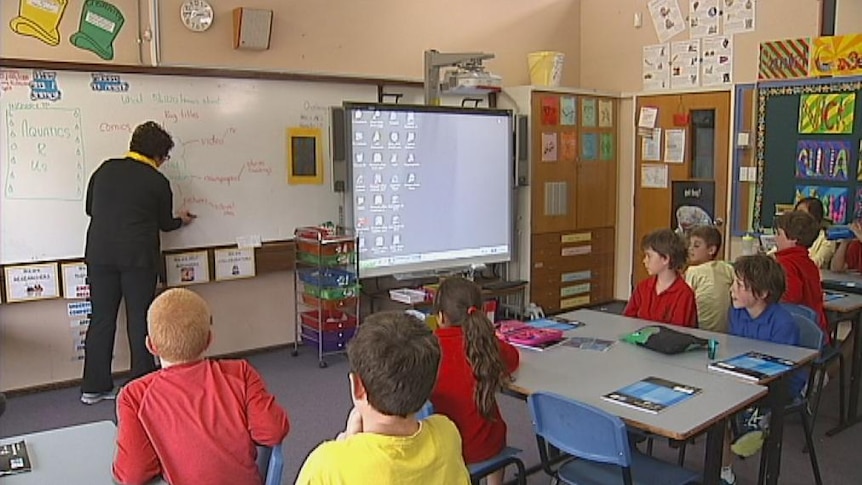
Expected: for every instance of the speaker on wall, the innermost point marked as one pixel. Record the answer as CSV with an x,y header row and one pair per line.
x,y
522,150
339,150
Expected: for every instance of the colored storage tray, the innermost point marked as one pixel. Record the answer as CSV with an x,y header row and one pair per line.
x,y
321,260
328,304
328,277
328,249
332,341
330,320
331,293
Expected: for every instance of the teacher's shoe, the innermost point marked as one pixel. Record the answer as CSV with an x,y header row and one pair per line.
x,y
94,397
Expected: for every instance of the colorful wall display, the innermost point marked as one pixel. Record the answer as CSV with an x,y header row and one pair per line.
x,y
833,56
835,200
840,55
784,59
827,113
823,160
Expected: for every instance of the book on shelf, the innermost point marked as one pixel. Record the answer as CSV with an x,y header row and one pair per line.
x,y
753,366
589,343
14,458
652,394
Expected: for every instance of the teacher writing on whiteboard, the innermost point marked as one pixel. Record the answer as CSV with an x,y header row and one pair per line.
x,y
129,201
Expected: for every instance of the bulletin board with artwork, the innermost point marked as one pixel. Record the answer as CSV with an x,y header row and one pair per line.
x,y
808,145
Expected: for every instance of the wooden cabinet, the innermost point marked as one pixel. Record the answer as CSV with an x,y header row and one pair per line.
x,y
573,199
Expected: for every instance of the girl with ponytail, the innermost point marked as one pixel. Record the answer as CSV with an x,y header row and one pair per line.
x,y
474,366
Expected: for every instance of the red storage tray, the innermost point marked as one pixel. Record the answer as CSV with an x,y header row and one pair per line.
x,y
330,305
332,320
328,249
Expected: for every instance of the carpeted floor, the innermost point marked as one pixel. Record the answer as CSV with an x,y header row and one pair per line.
x,y
317,401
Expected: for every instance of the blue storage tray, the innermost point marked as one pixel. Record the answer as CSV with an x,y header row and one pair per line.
x,y
328,277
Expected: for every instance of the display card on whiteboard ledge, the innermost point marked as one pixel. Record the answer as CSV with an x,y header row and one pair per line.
x,y
187,268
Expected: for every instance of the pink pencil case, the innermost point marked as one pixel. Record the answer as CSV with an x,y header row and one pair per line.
x,y
522,333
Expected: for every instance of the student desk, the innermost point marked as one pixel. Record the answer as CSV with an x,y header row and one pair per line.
x,y
848,308
77,455
587,375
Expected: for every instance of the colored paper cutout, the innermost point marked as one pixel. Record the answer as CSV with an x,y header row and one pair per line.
x,y
834,200
569,110
836,56
588,111
823,160
606,146
589,146
98,28
827,113
550,111
784,59
606,113
857,213
549,147
569,145
39,19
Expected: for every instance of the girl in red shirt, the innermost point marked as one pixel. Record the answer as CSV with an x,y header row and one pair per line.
x,y
475,365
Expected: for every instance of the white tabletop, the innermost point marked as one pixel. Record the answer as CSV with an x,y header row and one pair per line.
x,y
77,455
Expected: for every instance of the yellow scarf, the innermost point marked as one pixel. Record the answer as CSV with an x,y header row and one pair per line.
x,y
143,159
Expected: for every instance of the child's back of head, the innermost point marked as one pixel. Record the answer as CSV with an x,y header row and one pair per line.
x,y
459,304
179,324
797,226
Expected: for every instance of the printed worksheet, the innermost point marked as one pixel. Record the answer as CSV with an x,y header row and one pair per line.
x,y
717,61
703,18
666,18
739,16
685,64
656,67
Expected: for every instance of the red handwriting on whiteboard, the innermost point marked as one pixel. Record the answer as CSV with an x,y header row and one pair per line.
x,y
225,179
228,209
258,166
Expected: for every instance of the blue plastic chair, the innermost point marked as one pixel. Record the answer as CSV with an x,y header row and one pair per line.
x,y
270,463
810,337
478,471
599,444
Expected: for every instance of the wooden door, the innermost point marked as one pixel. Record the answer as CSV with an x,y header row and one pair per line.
x,y
554,174
652,204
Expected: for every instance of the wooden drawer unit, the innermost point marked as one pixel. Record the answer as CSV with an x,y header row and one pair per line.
x,y
572,269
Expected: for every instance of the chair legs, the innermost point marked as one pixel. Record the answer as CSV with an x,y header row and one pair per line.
x,y
520,478
821,382
809,441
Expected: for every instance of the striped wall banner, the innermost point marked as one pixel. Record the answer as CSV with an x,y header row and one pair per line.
x,y
840,55
827,113
784,59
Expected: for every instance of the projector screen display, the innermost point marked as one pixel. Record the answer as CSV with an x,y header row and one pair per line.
x,y
431,187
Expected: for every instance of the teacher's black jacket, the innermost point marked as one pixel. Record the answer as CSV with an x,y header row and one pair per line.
x,y
128,203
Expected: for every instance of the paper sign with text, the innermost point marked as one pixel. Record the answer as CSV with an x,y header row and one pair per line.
x,y
187,268
234,263
32,282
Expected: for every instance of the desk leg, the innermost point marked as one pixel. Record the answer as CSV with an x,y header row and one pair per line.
x,y
714,449
855,380
770,459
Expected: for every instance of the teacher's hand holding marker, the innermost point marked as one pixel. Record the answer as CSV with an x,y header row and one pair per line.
x,y
129,201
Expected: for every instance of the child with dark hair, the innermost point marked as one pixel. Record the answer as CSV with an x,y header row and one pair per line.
x,y
796,231
757,288
709,277
394,359
475,366
664,296
822,249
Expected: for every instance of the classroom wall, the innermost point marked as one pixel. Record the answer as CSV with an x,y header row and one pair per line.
x,y
848,17
611,56
380,38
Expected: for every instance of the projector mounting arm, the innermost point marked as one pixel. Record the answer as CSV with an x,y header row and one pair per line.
x,y
435,60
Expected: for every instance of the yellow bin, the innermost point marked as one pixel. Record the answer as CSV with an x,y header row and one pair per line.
x,y
546,68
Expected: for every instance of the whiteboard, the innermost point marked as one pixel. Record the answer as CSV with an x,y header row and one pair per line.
x,y
228,167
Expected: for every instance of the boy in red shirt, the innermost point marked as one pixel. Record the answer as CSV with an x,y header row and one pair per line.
x,y
664,297
797,230
196,420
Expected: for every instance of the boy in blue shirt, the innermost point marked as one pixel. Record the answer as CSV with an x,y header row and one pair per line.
x,y
757,287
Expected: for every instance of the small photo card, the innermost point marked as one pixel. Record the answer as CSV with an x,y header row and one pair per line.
x,y
32,282
75,281
187,268
234,263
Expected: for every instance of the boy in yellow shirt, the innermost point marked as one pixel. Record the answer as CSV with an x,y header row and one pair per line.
x,y
709,278
394,359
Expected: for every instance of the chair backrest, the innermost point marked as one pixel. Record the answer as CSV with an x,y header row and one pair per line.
x,y
810,334
580,429
427,410
270,463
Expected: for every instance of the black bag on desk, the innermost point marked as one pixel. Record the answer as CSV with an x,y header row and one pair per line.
x,y
665,340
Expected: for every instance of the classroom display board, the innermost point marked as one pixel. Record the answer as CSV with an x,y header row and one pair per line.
x,y
229,165
809,138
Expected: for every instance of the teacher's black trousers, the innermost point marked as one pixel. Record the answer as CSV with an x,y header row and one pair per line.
x,y
109,284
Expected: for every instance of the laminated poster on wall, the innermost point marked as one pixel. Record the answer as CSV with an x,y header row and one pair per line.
x,y
589,146
75,280
187,268
568,110
739,16
651,146
654,176
32,282
588,112
234,263
685,64
647,118
549,147
703,18
674,146
823,160
550,110
717,61
835,200
606,113
656,67
666,18
568,146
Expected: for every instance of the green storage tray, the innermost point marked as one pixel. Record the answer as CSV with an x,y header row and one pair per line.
x,y
332,293
326,260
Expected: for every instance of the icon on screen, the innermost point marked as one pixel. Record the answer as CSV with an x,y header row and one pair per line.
x,y
396,220
376,157
357,115
393,137
411,137
376,115
378,179
396,239
361,243
378,199
410,158
394,179
396,199
376,137
360,157
393,116
360,180
393,159
360,200
359,136
378,241
411,178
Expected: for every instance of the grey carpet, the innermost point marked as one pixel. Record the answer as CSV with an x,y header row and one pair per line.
x,y
317,401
